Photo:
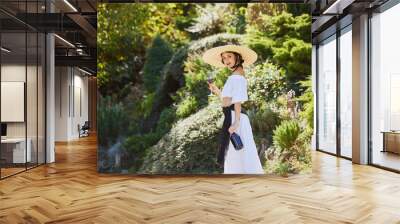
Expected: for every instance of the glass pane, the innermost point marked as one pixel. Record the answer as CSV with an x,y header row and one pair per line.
x,y
385,114
345,92
13,86
31,97
327,95
41,99
23,92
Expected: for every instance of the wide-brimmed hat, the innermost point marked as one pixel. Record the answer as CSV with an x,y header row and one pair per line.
x,y
213,56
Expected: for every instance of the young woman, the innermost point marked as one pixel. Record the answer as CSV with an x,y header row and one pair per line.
x,y
233,94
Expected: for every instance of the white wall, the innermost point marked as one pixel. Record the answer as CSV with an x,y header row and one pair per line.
x,y
61,103
71,94
33,127
16,72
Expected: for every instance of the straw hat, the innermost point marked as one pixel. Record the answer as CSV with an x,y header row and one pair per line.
x,y
213,56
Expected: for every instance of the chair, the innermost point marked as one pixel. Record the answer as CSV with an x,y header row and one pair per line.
x,y
84,130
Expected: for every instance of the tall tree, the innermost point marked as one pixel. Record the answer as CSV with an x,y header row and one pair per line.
x,y
159,53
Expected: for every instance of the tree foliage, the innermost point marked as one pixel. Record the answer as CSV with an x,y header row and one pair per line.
x,y
285,40
157,55
125,31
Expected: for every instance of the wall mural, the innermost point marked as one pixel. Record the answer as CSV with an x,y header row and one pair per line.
x,y
181,83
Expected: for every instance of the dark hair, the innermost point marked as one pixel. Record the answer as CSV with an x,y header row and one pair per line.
x,y
238,59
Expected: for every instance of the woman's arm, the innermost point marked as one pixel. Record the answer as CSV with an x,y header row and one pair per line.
x,y
214,89
236,123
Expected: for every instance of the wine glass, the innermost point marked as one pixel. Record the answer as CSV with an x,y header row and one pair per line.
x,y
210,79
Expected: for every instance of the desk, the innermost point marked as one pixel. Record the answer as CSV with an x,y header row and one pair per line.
x,y
16,147
391,141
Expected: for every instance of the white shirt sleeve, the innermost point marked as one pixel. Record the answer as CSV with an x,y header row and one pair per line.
x,y
227,89
236,88
239,90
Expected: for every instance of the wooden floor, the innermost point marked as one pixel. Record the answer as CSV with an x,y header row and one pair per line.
x,y
5,172
387,159
71,191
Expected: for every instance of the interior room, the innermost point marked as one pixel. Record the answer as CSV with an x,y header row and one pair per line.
x,y
46,82
22,100
49,98
385,89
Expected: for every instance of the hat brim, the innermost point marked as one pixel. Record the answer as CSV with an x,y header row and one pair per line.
x,y
213,56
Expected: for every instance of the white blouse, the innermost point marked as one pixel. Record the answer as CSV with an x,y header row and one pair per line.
x,y
235,87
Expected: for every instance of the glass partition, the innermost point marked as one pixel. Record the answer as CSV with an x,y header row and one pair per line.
x,y
346,92
14,151
41,87
31,100
22,87
385,89
327,95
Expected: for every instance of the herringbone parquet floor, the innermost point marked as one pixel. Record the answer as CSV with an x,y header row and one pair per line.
x,y
71,191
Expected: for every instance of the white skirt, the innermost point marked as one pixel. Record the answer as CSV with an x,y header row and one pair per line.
x,y
246,160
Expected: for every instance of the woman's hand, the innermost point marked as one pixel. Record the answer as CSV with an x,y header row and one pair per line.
x,y
233,127
214,89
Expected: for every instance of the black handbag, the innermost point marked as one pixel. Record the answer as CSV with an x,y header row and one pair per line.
x,y
236,141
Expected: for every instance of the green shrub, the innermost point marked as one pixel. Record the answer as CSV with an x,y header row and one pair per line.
x,y
281,104
286,134
265,83
111,120
195,81
283,39
282,169
171,80
189,147
254,11
294,55
235,18
290,152
146,104
256,40
307,112
157,55
136,146
263,121
112,126
305,148
167,119
186,107
298,9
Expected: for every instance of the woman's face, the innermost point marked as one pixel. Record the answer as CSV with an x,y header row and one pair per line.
x,y
228,59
